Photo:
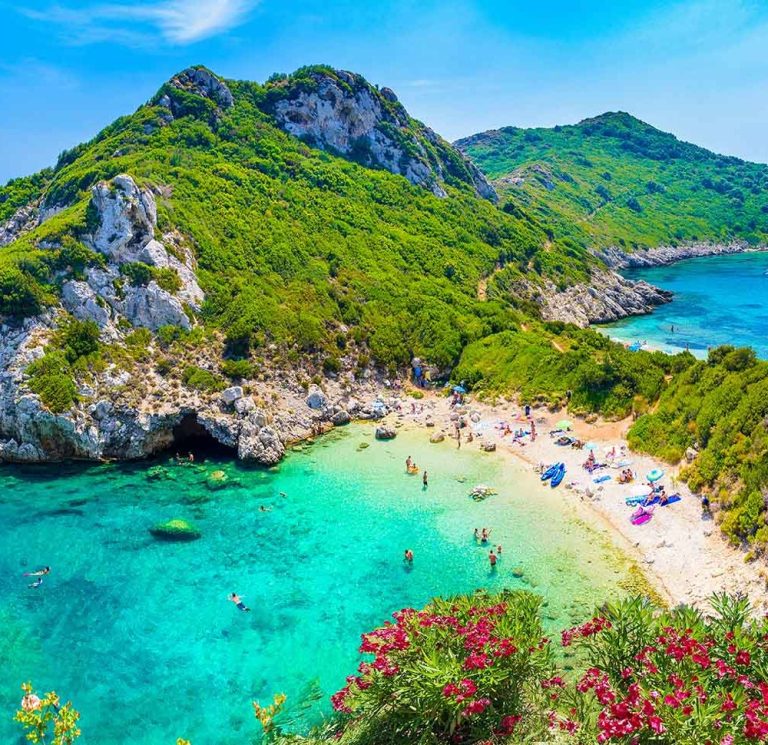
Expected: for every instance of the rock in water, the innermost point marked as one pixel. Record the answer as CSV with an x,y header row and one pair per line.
x,y
385,432
177,529
437,437
341,418
216,480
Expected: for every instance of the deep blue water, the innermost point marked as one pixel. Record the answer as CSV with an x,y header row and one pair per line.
x,y
718,300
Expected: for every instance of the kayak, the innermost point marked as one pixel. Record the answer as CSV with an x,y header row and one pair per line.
x,y
550,472
558,476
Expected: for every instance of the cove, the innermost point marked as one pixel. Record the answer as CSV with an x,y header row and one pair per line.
x,y
718,300
139,633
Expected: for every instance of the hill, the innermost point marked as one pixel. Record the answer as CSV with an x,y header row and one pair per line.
x,y
614,180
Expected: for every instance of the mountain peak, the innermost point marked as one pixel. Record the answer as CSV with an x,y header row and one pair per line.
x,y
340,111
196,81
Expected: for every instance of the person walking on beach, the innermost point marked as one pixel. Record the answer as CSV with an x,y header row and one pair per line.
x,y
238,601
458,439
424,479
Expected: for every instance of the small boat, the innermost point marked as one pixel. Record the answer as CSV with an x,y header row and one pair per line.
x,y
558,476
550,472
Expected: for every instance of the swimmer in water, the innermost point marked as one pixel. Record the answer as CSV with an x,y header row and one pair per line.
x,y
36,583
477,534
38,573
408,556
498,550
238,601
408,463
262,508
492,558
485,535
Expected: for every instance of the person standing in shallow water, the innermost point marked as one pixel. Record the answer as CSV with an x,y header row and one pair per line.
x,y
424,479
492,558
408,556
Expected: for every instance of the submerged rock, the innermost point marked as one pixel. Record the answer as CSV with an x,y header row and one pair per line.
x,y
437,437
385,432
176,529
216,480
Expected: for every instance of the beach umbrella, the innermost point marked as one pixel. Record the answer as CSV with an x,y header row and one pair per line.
x,y
564,424
591,446
655,475
459,389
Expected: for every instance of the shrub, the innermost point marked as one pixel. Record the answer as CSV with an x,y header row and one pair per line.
x,y
50,377
237,369
459,670
78,338
201,380
20,295
140,274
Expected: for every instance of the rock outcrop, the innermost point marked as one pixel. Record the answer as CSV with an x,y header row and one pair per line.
x,y
198,81
125,234
615,258
341,112
607,297
25,218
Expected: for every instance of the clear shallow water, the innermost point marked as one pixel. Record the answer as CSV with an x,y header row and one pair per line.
x,y
718,300
139,633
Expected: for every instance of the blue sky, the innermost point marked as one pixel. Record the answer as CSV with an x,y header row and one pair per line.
x,y
697,68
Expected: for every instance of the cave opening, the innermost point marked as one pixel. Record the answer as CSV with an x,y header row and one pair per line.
x,y
190,437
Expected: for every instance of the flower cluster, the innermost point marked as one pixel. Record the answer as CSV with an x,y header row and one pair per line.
x,y
590,628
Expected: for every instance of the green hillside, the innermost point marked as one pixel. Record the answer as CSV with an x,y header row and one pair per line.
x,y
308,256
292,242
614,180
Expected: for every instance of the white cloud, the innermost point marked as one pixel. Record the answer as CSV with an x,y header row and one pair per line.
x,y
177,21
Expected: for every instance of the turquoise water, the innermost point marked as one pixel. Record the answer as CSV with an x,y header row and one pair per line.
x,y
139,633
718,300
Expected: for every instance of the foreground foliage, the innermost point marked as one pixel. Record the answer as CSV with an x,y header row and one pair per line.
x,y
45,720
476,670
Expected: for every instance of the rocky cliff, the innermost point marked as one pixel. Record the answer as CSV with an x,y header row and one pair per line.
x,y
126,409
340,111
606,297
615,258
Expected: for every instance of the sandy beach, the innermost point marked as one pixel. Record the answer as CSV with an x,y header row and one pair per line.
x,y
683,554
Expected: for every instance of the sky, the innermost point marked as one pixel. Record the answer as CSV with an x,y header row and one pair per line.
x,y
697,68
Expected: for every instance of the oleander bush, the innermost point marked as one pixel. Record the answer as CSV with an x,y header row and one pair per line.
x,y
476,670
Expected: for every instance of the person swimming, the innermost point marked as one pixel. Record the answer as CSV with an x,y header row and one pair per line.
x,y
38,573
36,583
408,556
492,558
238,601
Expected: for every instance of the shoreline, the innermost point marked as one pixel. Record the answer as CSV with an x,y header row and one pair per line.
x,y
683,556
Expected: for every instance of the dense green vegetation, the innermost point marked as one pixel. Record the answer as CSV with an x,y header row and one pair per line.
x,y
616,181
546,360
292,242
